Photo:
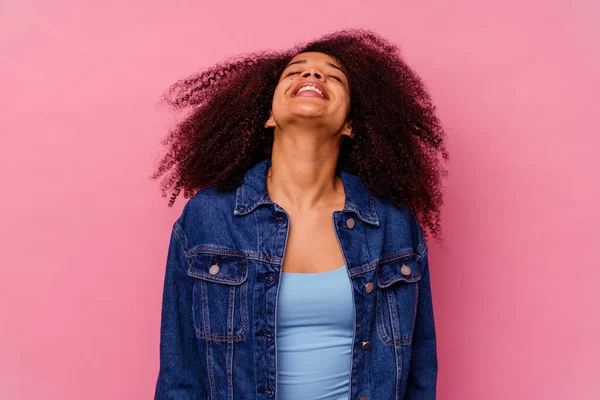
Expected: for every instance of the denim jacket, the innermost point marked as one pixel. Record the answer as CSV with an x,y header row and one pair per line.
x,y
218,320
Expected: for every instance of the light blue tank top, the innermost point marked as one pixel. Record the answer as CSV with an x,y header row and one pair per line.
x,y
315,321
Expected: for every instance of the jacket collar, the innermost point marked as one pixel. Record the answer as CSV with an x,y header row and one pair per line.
x,y
253,192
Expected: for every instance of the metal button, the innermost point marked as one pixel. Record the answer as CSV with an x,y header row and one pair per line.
x,y
405,269
365,345
214,269
350,223
369,287
364,398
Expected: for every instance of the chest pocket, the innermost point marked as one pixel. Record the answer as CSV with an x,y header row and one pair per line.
x,y
396,299
220,296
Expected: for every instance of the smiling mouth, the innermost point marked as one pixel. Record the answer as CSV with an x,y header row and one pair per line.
x,y
310,88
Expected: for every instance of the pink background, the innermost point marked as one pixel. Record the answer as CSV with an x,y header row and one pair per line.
x,y
85,233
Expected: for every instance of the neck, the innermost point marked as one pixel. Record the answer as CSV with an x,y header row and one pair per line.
x,y
302,173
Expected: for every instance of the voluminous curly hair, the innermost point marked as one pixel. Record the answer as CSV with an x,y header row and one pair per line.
x,y
398,138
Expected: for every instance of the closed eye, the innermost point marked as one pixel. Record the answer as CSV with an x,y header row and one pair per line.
x,y
331,76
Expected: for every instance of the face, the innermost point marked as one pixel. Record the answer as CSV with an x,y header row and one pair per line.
x,y
313,90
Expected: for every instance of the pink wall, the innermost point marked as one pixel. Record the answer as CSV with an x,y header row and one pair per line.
x,y
85,233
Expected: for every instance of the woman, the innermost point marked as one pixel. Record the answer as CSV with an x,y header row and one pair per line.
x,y
299,269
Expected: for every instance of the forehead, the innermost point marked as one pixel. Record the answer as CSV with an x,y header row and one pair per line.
x,y
315,56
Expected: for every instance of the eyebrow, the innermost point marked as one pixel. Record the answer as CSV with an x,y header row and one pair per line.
x,y
304,62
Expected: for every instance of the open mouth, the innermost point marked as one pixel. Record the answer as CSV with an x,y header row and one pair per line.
x,y
311,89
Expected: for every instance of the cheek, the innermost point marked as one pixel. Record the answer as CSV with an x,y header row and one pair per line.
x,y
277,97
344,99
281,91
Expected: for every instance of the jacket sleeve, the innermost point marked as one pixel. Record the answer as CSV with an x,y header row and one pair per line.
x,y
422,375
179,375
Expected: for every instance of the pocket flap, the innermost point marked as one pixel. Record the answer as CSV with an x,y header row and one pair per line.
x,y
405,269
219,268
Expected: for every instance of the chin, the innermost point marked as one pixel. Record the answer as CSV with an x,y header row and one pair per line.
x,y
307,110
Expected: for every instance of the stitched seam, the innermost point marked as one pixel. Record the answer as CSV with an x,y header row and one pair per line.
x,y
230,345
393,310
399,360
211,376
231,311
201,275
250,255
415,309
381,325
397,278
222,338
194,306
257,256
244,310
206,334
205,310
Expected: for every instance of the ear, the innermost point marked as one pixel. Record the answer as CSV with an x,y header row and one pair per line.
x,y
270,122
347,129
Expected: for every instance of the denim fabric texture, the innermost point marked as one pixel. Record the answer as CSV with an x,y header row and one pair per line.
x,y
219,303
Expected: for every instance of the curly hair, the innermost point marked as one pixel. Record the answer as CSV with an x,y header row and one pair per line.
x,y
398,138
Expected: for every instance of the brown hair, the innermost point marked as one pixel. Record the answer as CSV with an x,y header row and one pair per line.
x,y
398,145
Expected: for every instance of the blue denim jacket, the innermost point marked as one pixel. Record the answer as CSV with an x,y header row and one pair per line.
x,y
218,323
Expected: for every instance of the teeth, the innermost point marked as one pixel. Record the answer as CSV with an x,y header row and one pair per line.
x,y
313,88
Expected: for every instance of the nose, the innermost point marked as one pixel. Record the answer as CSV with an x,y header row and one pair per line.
x,y
312,71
